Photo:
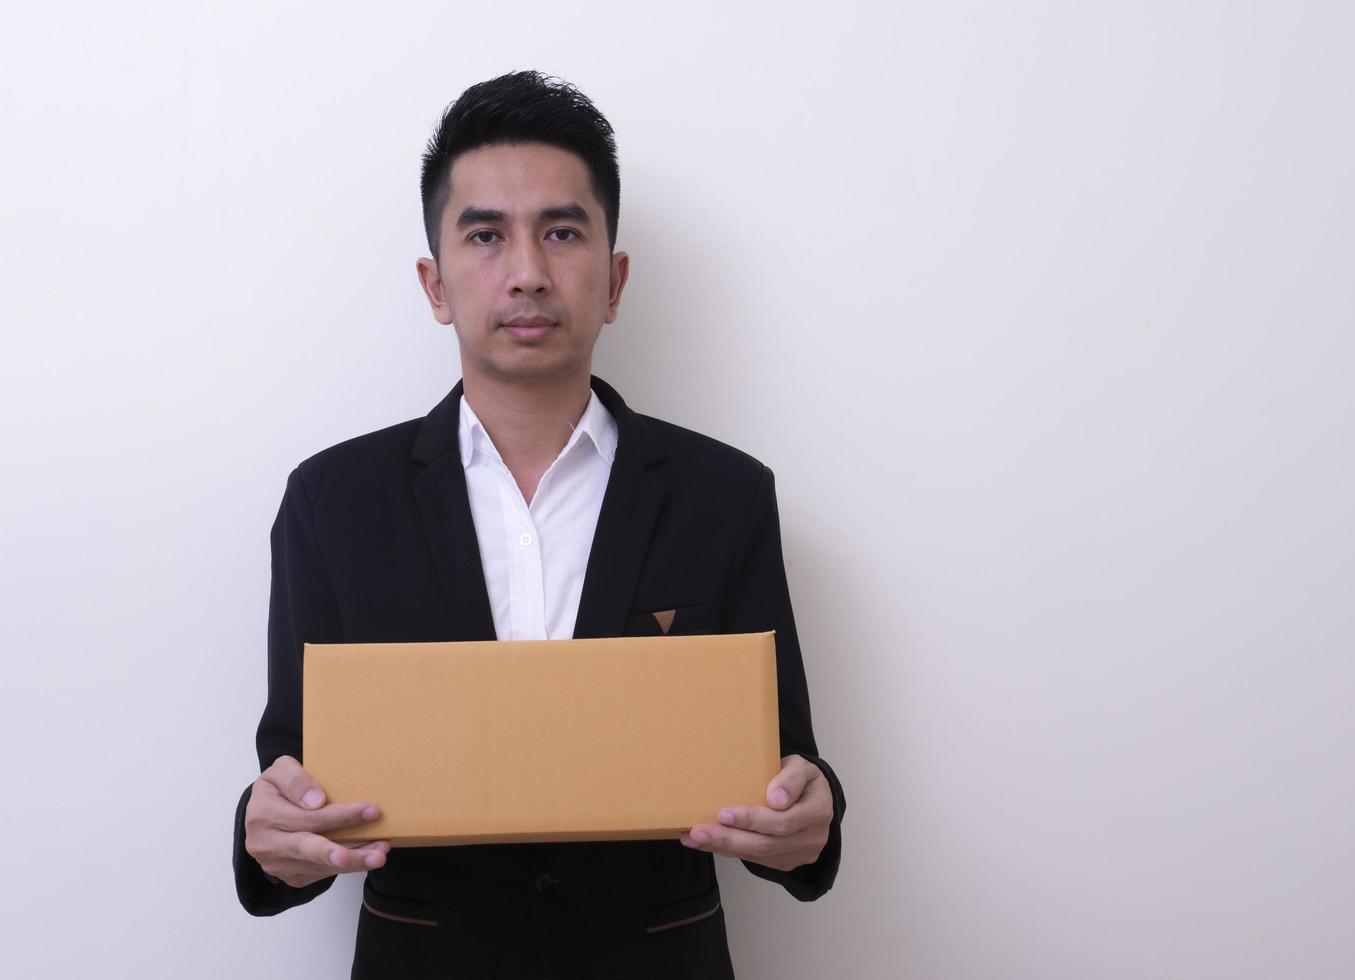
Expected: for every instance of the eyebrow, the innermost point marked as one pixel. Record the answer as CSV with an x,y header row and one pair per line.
x,y
568,212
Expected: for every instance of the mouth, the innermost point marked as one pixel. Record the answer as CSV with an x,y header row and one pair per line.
x,y
529,329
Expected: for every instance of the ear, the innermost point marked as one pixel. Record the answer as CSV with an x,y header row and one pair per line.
x,y
620,270
431,281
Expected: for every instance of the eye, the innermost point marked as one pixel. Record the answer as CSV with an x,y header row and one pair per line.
x,y
475,237
567,231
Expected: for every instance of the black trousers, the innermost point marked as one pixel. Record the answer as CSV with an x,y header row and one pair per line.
x,y
530,939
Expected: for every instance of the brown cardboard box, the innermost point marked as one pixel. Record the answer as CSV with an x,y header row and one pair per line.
x,y
542,740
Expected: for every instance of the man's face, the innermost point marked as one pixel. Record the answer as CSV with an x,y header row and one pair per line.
x,y
524,273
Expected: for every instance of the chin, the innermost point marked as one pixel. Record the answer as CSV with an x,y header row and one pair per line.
x,y
536,369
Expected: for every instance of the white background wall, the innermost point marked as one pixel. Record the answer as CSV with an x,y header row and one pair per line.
x,y
1042,313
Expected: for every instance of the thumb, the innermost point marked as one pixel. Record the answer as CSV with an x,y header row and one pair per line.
x,y
789,784
295,784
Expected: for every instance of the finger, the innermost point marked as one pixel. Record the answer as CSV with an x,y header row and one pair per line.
x,y
364,853
335,816
383,845
322,853
764,820
295,783
744,844
789,784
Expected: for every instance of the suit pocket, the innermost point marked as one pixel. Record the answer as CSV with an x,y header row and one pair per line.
x,y
683,912
671,621
401,910
400,937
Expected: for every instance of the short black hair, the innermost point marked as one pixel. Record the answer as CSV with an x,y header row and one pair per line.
x,y
521,107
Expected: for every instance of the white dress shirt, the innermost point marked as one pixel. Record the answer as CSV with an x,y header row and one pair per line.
x,y
534,557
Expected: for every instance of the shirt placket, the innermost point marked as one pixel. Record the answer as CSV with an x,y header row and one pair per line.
x,y
526,584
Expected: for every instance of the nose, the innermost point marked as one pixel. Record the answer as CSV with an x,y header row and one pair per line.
x,y
527,272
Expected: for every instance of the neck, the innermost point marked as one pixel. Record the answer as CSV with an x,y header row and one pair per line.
x,y
528,423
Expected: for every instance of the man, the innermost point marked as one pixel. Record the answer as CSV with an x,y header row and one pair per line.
x,y
531,503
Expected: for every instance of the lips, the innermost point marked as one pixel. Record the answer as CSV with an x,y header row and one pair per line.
x,y
529,328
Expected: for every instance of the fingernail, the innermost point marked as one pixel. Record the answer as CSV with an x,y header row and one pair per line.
x,y
701,837
780,797
313,798
372,860
335,858
370,813
686,841
726,816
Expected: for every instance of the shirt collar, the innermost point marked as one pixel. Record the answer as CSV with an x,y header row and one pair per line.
x,y
471,435
596,423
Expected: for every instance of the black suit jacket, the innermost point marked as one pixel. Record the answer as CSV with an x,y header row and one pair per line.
x,y
374,542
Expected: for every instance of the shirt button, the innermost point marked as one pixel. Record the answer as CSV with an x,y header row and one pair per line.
x,y
525,540
545,883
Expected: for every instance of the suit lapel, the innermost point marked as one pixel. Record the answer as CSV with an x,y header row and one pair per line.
x,y
630,507
440,491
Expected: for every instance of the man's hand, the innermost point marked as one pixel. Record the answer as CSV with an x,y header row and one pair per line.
x,y
790,831
285,818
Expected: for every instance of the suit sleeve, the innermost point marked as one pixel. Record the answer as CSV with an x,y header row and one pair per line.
x,y
759,599
301,609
